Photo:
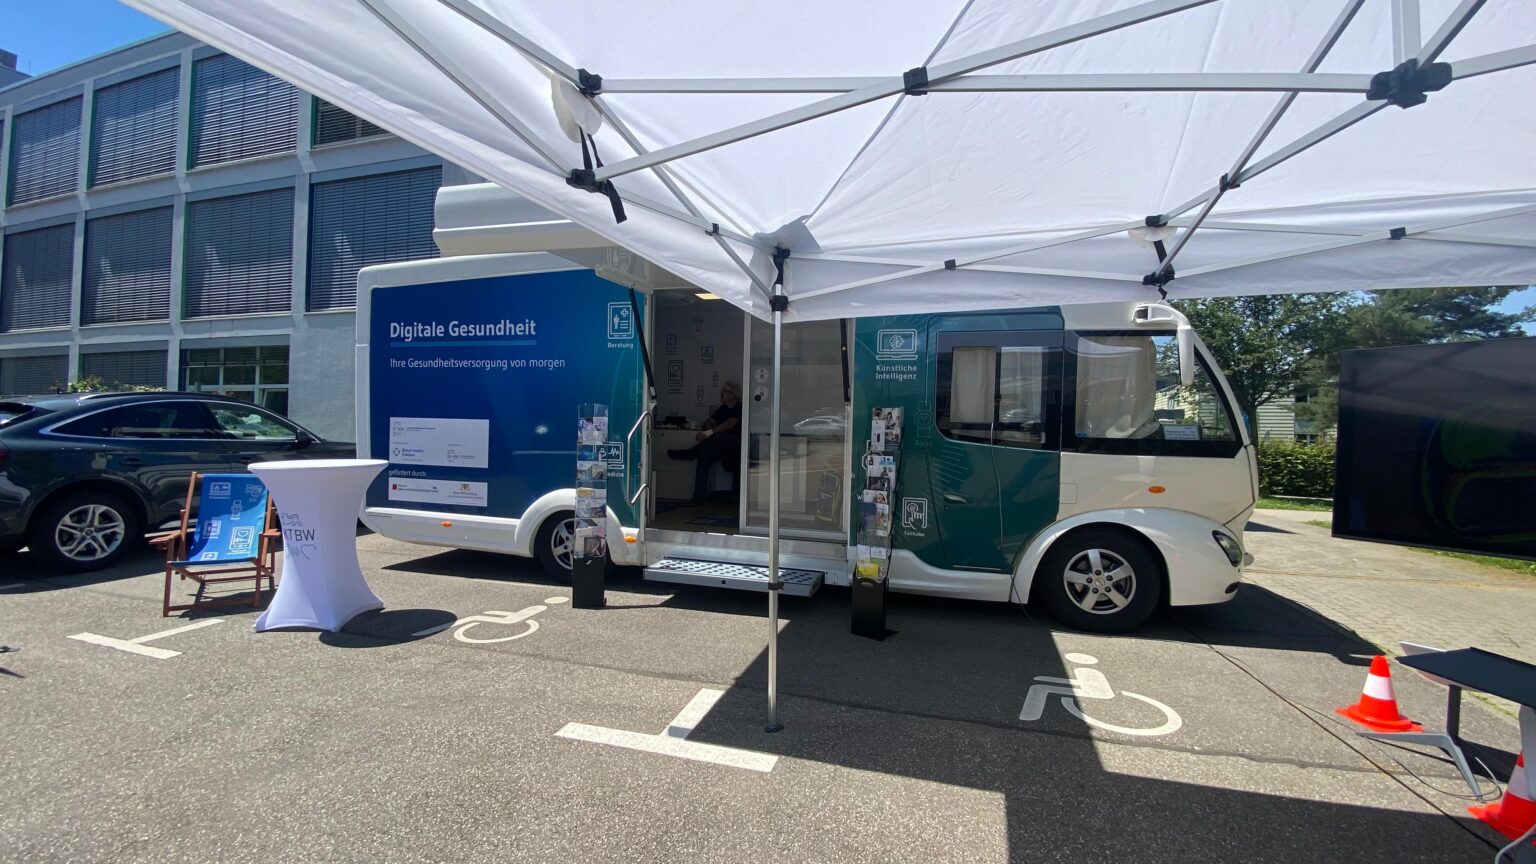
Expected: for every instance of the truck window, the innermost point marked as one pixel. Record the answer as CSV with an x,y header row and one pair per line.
x,y
1127,399
998,387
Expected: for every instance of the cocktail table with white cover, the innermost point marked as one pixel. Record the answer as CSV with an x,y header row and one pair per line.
x,y
317,502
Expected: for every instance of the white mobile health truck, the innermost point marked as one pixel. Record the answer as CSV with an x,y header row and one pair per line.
x,y
1086,456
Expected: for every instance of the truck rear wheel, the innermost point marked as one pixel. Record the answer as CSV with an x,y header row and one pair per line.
x,y
554,544
1102,580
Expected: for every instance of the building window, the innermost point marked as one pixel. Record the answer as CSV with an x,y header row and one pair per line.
x,y
127,268
239,255
26,376
35,282
133,128
256,374
362,221
334,124
117,369
45,152
239,111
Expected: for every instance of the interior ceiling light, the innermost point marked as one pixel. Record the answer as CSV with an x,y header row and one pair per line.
x,y
705,295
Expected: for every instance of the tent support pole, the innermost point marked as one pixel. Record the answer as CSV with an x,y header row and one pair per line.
x,y
1449,30
419,43
1406,38
891,86
780,303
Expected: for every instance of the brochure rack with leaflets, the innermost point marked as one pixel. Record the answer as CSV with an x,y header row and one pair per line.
x,y
872,561
589,546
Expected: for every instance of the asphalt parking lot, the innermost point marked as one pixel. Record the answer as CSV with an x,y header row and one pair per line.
x,y
389,742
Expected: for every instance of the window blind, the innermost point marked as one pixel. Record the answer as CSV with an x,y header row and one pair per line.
x,y
362,221
334,124
239,111
136,368
24,376
35,282
127,267
45,151
133,128
239,256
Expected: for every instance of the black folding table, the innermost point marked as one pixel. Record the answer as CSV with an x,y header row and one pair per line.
x,y
1497,675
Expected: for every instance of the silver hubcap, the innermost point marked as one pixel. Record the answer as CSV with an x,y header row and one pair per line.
x,y
562,541
89,532
1099,581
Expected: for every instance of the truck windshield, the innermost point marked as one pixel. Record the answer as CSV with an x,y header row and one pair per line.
x,y
1128,390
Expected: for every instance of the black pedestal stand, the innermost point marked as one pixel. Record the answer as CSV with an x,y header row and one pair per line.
x,y
869,608
587,578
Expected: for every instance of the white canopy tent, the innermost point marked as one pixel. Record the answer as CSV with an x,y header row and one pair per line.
x,y
962,154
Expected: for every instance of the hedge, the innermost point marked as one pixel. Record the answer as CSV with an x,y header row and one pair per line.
x,y
1304,470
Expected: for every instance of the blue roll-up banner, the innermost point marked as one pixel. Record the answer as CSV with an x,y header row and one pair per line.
x,y
472,385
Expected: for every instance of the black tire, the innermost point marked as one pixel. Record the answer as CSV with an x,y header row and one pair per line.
x,y
544,545
1082,599
85,530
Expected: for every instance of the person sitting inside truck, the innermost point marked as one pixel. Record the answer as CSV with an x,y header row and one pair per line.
x,y
719,441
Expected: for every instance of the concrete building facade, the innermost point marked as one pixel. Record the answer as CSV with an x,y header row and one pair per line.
x,y
174,217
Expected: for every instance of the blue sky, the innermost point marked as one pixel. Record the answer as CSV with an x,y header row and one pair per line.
x,y
47,34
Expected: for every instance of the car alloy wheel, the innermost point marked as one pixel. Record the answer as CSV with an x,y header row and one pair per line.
x,y
89,532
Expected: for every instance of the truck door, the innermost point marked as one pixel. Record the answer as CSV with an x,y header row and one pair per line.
x,y
995,471
962,476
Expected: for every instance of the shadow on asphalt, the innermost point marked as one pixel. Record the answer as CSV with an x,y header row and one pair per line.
x,y
1265,529
968,664
384,627
22,565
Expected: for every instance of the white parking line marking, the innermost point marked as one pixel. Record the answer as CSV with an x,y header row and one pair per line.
x,y
666,745
673,740
137,646
692,713
196,625
125,645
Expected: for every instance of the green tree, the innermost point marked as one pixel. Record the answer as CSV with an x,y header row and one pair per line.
x,y
1267,345
1409,316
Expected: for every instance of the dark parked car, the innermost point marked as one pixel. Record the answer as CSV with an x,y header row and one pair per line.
x,y
83,476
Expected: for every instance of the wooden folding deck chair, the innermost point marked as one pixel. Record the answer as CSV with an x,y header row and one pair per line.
x,y
230,541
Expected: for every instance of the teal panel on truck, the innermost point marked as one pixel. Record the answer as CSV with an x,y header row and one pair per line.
x,y
510,359
966,499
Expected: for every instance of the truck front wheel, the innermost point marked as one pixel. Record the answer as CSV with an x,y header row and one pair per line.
x,y
1102,580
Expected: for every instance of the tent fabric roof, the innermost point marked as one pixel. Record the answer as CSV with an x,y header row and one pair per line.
x,y
1046,132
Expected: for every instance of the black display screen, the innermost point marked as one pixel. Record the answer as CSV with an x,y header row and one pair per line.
x,y
1437,446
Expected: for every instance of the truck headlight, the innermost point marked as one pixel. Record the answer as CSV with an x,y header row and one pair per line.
x,y
1230,547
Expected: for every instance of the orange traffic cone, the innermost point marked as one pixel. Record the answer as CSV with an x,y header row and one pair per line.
x,y
1377,708
1516,812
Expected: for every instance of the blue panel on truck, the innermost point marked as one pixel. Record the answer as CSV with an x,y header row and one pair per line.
x,y
475,387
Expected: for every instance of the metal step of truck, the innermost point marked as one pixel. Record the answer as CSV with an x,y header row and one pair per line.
x,y
728,574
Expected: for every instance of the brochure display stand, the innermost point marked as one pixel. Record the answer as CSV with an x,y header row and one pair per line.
x,y
589,547
872,562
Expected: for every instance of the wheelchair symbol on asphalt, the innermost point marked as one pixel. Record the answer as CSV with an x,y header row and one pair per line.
x,y
1088,683
522,616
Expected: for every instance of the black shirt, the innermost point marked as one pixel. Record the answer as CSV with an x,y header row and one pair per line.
x,y
726,412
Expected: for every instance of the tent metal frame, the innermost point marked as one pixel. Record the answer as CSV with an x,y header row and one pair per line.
x,y
956,77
